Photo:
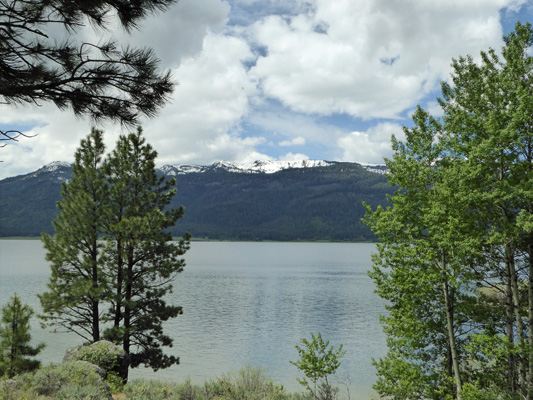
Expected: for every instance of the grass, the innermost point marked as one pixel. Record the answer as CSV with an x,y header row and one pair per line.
x,y
248,384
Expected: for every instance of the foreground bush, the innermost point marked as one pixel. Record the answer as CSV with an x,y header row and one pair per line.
x,y
248,384
74,381
71,380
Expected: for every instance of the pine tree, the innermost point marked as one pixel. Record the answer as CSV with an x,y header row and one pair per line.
x,y
112,257
77,285
15,338
142,260
42,59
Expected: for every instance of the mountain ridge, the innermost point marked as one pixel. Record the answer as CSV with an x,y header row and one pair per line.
x,y
258,166
322,202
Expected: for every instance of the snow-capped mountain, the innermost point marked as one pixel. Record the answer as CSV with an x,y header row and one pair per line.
x,y
304,200
60,170
268,167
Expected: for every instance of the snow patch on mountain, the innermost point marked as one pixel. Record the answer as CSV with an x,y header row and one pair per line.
x,y
172,170
55,167
267,167
61,169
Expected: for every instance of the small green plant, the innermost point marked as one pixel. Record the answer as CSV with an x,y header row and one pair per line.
x,y
318,361
15,349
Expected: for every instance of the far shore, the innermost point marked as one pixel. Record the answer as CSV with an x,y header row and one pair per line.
x,y
177,238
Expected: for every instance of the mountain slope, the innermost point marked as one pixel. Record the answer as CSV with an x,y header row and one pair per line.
x,y
264,201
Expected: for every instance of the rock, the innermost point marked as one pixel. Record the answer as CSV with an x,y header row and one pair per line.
x,y
87,365
71,377
104,354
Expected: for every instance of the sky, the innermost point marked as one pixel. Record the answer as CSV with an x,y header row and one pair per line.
x,y
282,79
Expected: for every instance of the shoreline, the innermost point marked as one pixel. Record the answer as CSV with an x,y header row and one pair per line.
x,y
177,238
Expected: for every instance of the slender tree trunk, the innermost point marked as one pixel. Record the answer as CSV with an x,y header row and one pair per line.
x,y
509,260
127,308
449,308
530,322
118,293
510,330
95,300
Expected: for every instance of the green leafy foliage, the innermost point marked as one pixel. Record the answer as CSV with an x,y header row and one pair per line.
x,y
15,348
68,378
111,358
455,258
318,361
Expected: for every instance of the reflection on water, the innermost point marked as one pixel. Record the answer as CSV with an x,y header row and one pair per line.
x,y
244,303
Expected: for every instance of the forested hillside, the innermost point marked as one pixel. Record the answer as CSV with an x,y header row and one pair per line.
x,y
318,203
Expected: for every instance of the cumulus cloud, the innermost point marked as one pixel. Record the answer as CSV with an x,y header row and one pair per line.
x,y
56,136
202,122
293,157
371,145
369,58
259,76
297,141
179,32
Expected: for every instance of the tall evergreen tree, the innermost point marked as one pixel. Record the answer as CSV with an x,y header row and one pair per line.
x,y
77,285
15,338
142,260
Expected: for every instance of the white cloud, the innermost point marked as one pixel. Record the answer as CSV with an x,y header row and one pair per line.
x,y
434,108
297,141
179,32
293,157
57,135
371,145
201,123
376,59
248,90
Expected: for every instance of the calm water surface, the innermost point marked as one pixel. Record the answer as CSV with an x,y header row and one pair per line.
x,y
244,303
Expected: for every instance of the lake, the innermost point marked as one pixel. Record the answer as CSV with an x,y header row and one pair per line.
x,y
244,304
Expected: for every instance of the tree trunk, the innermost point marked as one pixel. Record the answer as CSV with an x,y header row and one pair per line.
x,y
530,322
118,293
95,300
510,330
127,309
509,260
449,308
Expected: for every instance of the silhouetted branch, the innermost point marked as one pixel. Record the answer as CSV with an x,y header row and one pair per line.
x,y
12,135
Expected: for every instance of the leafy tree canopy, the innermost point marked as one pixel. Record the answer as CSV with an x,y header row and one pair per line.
x,y
455,259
